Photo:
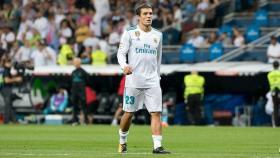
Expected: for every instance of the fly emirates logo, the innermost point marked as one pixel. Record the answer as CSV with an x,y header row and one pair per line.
x,y
146,50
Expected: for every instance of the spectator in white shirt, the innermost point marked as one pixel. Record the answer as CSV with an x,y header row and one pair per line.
x,y
202,10
65,31
24,53
273,51
51,55
8,38
239,39
95,23
91,41
102,7
41,24
196,40
24,26
177,16
40,56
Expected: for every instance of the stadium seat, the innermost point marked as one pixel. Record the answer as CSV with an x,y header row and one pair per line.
x,y
187,53
202,55
252,33
226,28
216,50
261,17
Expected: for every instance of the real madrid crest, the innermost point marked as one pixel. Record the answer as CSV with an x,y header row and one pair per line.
x,y
137,34
155,40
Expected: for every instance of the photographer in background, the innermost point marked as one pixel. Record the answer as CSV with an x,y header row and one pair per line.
x,y
8,80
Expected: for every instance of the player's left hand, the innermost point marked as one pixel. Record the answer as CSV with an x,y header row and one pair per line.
x,y
127,70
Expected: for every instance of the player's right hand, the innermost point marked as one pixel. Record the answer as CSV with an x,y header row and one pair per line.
x,y
127,70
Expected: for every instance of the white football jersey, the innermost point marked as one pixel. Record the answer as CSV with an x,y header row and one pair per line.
x,y
144,51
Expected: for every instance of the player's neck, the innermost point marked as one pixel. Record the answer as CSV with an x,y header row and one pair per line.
x,y
145,28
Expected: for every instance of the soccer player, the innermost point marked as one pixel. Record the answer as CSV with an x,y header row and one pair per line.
x,y
143,46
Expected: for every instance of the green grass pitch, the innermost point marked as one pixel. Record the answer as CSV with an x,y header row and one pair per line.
x,y
100,141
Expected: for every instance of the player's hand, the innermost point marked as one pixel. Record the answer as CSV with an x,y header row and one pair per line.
x,y
127,70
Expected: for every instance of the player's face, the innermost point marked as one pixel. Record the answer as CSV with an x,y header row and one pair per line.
x,y
146,16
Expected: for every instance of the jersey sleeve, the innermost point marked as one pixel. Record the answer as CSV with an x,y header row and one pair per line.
x,y
159,50
123,49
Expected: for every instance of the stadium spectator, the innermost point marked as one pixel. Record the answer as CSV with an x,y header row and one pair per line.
x,y
52,39
273,51
98,57
65,32
102,7
158,21
193,95
201,13
114,38
13,51
24,26
24,53
84,17
274,83
91,41
66,54
34,37
196,39
86,55
82,33
11,14
213,38
58,102
225,39
211,16
130,19
239,39
8,38
42,56
178,17
95,23
189,8
51,55
41,24
104,45
72,23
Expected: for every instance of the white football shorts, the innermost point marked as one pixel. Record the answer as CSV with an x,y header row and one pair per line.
x,y
135,98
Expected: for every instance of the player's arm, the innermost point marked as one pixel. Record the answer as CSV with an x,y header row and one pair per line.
x,y
159,55
86,76
122,52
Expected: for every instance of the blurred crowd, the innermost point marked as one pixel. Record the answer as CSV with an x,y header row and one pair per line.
x,y
48,32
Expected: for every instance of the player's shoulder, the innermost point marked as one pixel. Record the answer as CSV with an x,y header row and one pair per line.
x,y
131,28
157,31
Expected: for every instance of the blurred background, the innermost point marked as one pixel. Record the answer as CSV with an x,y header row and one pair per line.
x,y
225,41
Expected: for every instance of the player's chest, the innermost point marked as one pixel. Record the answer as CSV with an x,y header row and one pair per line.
x,y
146,40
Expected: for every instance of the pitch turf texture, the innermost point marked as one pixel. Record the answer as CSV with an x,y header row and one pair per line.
x,y
99,141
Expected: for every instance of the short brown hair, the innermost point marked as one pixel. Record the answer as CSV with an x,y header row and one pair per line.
x,y
141,6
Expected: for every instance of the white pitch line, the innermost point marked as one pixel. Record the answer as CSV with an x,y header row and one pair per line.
x,y
131,153
32,154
